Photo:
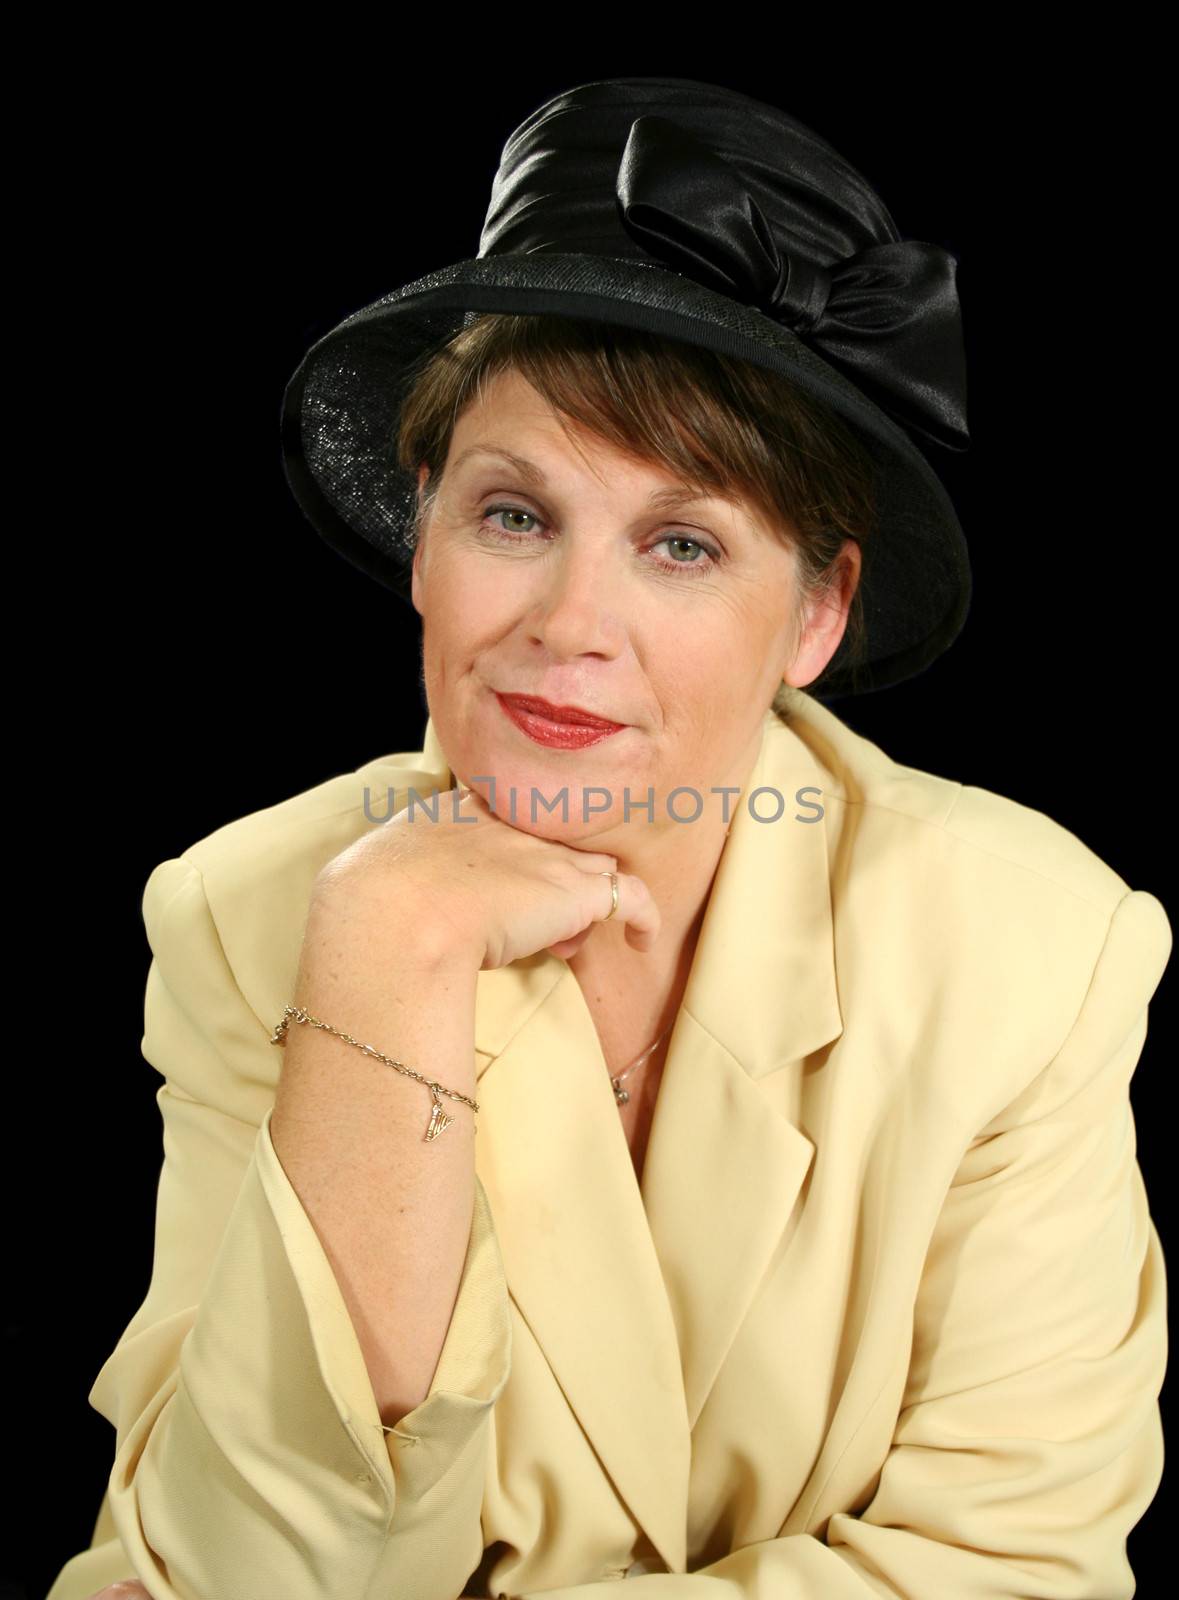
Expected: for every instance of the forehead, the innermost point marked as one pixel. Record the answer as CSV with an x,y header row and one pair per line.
x,y
510,427
516,429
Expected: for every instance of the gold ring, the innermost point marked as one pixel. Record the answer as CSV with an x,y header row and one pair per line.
x,y
613,877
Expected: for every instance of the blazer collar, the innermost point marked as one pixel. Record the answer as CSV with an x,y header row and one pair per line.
x,y
636,1296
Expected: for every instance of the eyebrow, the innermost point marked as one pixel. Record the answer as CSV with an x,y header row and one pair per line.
x,y
657,500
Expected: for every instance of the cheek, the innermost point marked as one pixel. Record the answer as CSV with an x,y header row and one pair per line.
x,y
699,651
460,605
713,670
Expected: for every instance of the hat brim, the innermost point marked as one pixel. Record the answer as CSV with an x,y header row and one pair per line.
x,y
340,411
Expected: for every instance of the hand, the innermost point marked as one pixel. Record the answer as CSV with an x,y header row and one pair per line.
x,y
125,1589
480,886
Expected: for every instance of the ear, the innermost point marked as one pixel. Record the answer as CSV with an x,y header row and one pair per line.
x,y
824,625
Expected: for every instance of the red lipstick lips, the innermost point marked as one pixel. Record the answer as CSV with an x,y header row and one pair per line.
x,y
558,727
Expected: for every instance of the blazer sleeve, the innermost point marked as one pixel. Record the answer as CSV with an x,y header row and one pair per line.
x,y
250,1457
1029,1441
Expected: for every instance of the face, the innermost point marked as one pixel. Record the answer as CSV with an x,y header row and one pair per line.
x,y
574,585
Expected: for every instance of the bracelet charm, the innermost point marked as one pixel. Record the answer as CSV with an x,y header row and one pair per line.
x,y
439,1119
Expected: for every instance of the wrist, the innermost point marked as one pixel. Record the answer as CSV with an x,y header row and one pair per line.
x,y
409,935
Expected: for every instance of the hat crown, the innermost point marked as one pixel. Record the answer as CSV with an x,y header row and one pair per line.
x,y
749,203
586,170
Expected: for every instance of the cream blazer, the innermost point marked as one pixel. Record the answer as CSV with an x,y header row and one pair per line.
x,y
886,1316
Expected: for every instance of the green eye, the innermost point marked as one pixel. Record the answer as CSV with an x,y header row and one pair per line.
x,y
498,531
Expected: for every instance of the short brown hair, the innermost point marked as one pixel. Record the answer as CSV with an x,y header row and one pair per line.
x,y
717,423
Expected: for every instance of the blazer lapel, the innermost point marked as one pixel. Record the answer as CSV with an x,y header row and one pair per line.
x,y
636,1297
726,1162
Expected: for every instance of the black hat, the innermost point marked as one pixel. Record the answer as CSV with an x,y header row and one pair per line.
x,y
699,214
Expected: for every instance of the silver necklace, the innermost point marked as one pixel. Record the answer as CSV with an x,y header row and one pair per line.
x,y
620,1094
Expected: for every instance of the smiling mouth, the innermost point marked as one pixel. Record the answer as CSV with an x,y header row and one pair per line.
x,y
565,716
534,719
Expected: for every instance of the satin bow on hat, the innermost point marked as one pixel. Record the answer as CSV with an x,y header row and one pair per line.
x,y
888,316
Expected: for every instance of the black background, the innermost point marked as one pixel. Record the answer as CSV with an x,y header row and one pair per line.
x,y
197,652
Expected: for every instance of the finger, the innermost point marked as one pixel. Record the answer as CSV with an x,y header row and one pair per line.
x,y
595,860
636,908
565,948
643,921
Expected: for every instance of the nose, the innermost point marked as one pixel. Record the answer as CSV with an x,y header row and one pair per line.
x,y
575,612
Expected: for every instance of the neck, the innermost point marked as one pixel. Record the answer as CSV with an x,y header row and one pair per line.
x,y
678,866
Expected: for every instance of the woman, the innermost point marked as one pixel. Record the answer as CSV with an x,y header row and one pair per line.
x,y
866,1298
